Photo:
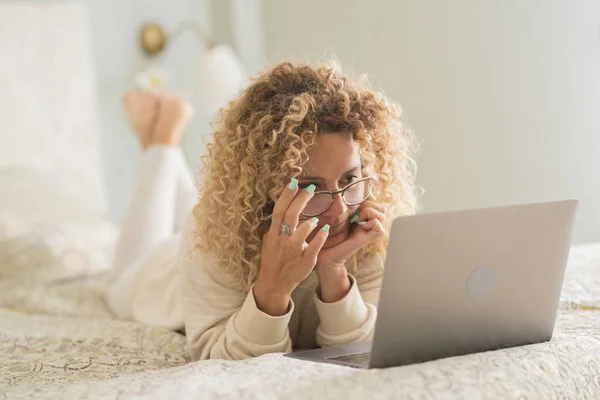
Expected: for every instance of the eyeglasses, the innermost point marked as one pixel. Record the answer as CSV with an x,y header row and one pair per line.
x,y
353,194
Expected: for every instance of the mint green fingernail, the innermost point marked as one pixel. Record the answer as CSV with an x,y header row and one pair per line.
x,y
362,223
354,218
326,227
293,184
315,220
311,188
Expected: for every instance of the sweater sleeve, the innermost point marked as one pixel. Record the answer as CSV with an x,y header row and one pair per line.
x,y
351,319
220,322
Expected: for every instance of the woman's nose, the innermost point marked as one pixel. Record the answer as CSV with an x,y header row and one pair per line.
x,y
338,206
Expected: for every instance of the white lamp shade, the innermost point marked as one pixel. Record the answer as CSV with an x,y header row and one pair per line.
x,y
221,76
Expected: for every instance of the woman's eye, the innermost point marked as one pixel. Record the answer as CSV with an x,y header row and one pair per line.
x,y
350,178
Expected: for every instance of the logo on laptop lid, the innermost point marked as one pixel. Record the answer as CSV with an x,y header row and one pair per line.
x,y
480,281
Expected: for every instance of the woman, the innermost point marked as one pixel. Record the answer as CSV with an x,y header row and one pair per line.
x,y
285,246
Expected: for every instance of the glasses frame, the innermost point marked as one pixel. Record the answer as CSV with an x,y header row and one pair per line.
x,y
342,192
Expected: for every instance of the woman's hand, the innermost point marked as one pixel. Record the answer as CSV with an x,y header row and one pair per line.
x,y
331,269
286,260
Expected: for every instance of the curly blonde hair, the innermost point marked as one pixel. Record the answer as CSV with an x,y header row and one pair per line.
x,y
260,142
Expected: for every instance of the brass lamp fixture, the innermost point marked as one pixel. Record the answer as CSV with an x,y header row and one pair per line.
x,y
221,72
154,38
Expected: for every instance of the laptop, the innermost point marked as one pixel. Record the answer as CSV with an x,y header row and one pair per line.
x,y
463,282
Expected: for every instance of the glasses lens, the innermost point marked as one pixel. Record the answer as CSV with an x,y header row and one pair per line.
x,y
317,205
358,192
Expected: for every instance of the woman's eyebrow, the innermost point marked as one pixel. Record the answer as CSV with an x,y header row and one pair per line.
x,y
311,178
320,179
351,170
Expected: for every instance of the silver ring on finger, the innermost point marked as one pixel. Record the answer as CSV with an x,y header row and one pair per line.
x,y
285,229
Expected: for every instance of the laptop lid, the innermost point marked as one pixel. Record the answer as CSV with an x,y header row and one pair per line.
x,y
468,281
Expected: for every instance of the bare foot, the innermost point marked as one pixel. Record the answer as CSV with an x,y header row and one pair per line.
x,y
174,114
142,111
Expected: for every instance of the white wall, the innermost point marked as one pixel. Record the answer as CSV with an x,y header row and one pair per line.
x,y
238,23
504,94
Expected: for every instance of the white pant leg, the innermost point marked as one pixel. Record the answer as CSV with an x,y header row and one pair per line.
x,y
156,290
150,220
187,197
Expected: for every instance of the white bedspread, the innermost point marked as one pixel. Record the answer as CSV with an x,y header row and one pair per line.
x,y
58,340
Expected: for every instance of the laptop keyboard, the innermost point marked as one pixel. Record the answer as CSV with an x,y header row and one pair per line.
x,y
358,358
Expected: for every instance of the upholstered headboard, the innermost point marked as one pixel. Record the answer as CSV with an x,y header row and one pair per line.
x,y
48,124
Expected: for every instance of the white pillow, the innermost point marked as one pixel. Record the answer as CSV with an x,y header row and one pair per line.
x,y
38,196
38,273
79,247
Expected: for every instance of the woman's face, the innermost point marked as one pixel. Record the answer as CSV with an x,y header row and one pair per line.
x,y
334,163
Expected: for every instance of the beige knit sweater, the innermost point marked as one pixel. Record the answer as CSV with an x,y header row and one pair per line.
x,y
221,323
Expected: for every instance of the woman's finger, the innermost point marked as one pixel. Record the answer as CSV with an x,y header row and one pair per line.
x,y
367,214
373,225
292,214
315,245
362,236
282,204
304,230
